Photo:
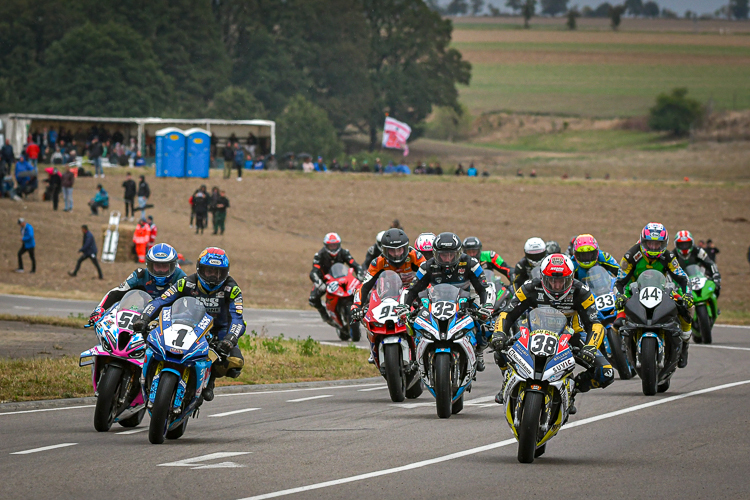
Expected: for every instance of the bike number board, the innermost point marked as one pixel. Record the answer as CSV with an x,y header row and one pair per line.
x,y
697,283
605,301
179,337
542,344
385,311
443,310
650,296
125,320
333,286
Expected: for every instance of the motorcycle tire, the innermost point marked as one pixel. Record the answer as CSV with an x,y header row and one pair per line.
x,y
458,405
354,331
531,413
178,431
342,334
394,372
540,451
618,355
443,388
133,420
106,403
165,394
705,323
649,369
415,391
663,387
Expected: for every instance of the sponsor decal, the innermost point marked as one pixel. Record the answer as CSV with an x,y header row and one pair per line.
x,y
214,262
557,261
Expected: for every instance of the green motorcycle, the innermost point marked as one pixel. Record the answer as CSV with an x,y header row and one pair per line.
x,y
706,310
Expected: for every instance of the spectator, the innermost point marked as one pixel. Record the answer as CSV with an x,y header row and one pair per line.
x,y
390,168
28,244
472,171
144,192
152,234
220,212
239,160
88,251
200,205
228,160
212,202
702,244
57,157
335,166
396,224
460,170
519,173
141,238
192,207
711,250
260,163
532,174
100,200
438,169
365,167
55,186
32,153
129,196
68,178
420,169
52,138
485,174
378,166
95,155
7,157
26,177
139,160
271,163
308,166
320,166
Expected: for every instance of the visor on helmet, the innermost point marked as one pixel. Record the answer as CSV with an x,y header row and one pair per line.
x,y
655,245
212,275
397,255
446,257
161,269
684,245
587,257
472,252
557,284
333,248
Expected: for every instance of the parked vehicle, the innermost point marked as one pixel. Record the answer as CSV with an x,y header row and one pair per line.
x,y
341,284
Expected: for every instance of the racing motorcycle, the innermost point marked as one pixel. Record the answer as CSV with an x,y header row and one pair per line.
x,y
393,348
706,307
444,326
601,284
177,367
538,386
498,290
651,331
341,284
116,364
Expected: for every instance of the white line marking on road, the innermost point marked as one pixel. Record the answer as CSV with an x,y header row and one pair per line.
x,y
334,344
310,399
133,431
732,326
21,307
328,388
723,347
47,409
373,388
43,448
190,462
480,449
411,406
480,401
235,412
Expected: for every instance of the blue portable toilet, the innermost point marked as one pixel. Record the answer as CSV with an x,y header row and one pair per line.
x,y
170,152
198,158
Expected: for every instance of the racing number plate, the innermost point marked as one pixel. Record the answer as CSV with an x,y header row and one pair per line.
x,y
179,337
443,310
605,301
650,296
542,344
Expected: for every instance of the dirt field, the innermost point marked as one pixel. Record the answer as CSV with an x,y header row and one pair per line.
x,y
277,220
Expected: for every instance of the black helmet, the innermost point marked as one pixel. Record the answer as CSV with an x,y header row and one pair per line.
x,y
473,247
395,246
553,247
447,251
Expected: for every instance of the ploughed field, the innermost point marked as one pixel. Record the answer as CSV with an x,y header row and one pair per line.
x,y
277,220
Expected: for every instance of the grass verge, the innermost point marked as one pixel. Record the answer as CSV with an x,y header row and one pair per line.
x,y
69,322
590,141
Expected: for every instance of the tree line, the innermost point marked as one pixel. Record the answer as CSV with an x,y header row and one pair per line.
x,y
345,62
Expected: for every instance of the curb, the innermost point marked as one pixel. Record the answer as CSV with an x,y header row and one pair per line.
x,y
231,389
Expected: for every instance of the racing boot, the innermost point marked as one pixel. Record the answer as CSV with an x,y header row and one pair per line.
x,y
480,360
499,395
682,363
208,391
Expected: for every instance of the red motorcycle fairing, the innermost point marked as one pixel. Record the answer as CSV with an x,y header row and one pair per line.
x,y
339,286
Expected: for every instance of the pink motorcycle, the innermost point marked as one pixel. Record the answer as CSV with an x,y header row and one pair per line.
x,y
116,364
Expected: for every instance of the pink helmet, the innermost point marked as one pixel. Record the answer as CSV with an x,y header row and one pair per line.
x,y
423,243
586,250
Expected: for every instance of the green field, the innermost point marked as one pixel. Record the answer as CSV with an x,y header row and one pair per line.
x,y
589,141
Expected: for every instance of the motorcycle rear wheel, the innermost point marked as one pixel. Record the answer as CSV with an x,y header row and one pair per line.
x,y
618,355
443,389
162,407
106,403
649,369
529,428
705,323
394,372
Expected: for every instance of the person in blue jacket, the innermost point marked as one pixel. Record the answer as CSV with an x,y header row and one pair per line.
x,y
88,251
26,177
586,254
101,199
28,244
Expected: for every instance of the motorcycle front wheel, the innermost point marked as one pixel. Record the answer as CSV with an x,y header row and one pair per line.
x,y
394,372
649,369
162,407
618,355
106,403
443,389
704,322
533,403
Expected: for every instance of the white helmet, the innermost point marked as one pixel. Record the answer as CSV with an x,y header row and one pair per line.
x,y
379,240
424,241
535,250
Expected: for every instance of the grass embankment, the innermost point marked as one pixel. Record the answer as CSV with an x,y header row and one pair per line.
x,y
267,361
69,322
590,141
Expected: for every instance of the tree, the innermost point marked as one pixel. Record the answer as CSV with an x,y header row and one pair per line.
x,y
651,9
494,11
603,10
739,8
476,7
554,7
236,103
528,10
106,70
615,15
305,127
457,7
515,5
447,124
634,7
669,14
573,14
675,112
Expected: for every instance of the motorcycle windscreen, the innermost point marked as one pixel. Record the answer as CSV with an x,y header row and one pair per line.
x,y
187,311
339,270
599,281
652,277
547,318
134,300
694,271
388,285
443,293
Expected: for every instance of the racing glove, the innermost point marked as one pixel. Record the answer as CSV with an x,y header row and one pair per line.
x,y
357,313
687,300
500,341
141,323
485,312
587,355
96,315
225,346
620,301
717,281
402,311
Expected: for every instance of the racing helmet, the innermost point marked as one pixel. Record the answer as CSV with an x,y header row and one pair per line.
x,y
472,247
552,247
654,240
684,242
161,262
557,276
447,251
332,242
395,246
213,268
378,240
424,243
535,250
586,250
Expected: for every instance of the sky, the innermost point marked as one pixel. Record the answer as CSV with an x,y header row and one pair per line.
x,y
678,6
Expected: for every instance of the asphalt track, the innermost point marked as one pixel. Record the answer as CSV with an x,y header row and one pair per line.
x,y
350,441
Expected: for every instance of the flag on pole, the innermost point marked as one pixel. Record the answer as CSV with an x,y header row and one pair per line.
x,y
395,134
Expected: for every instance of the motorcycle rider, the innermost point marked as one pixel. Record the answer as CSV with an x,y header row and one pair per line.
x,y
424,243
651,253
488,259
557,288
222,298
552,247
586,254
374,251
161,272
689,254
452,266
330,254
535,250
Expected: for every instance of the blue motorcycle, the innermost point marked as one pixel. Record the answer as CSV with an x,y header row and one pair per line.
x,y
444,328
177,367
601,284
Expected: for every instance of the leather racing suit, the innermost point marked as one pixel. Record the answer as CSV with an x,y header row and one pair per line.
x,y
322,263
140,279
407,271
699,257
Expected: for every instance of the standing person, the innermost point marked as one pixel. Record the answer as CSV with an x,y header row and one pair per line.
x,y
28,244
55,186
95,155
68,179
212,203
153,231
101,199
88,251
129,195
239,159
711,250
228,160
32,153
7,157
144,192
220,211
141,237
200,205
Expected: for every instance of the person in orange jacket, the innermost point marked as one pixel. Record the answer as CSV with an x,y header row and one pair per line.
x,y
141,238
152,234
